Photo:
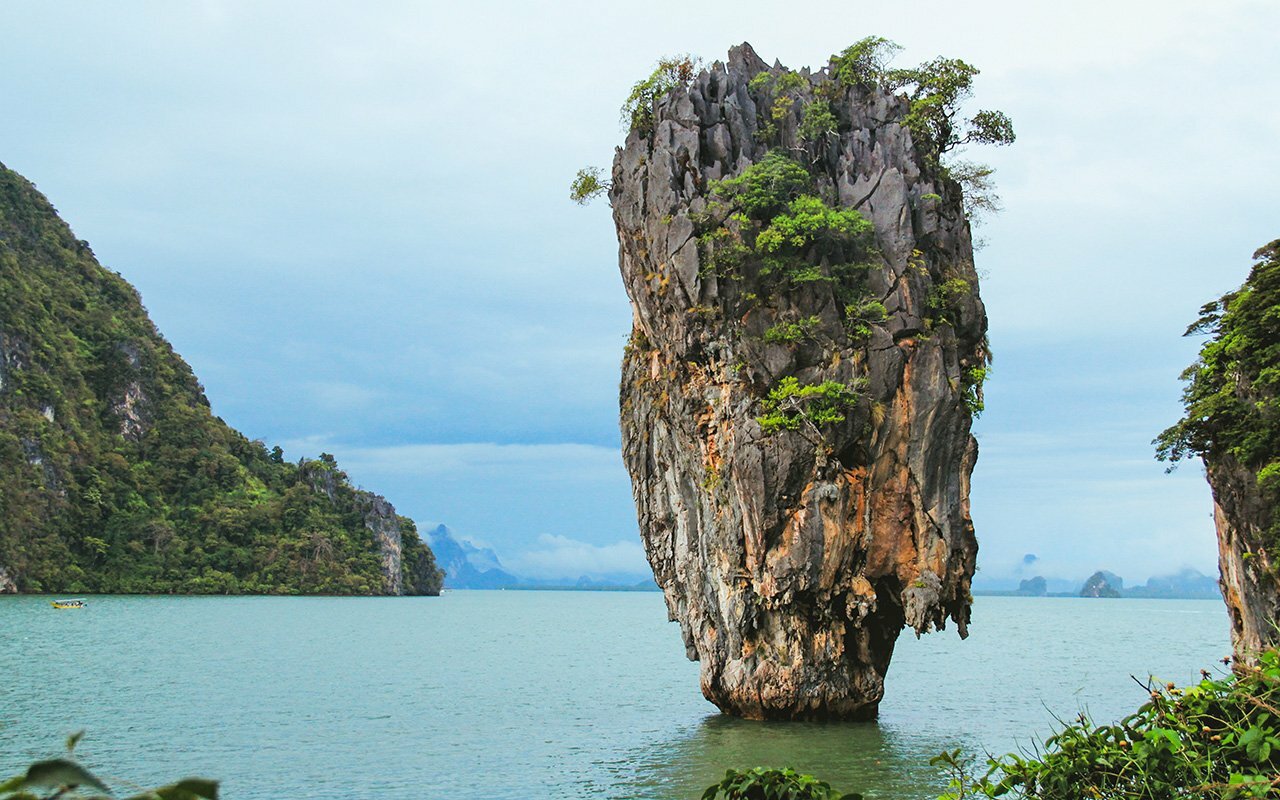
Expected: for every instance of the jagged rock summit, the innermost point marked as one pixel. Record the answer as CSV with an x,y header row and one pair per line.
x,y
798,390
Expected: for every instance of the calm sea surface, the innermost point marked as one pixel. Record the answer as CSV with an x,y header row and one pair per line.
x,y
532,694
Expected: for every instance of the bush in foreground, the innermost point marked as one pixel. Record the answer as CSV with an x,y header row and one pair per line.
x,y
1216,740
773,784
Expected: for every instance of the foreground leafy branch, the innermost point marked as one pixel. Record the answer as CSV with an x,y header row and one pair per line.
x,y
66,779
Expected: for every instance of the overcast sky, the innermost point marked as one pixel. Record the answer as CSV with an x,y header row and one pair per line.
x,y
351,219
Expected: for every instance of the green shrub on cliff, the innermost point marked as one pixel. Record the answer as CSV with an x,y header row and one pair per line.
x,y
817,121
935,91
1232,393
864,62
765,187
670,73
787,332
587,185
792,405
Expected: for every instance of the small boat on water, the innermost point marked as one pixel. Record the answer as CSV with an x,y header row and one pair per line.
x,y
69,604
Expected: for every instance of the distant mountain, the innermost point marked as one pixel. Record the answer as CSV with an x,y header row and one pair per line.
x,y
470,567
1103,584
467,566
1025,587
1033,587
1188,583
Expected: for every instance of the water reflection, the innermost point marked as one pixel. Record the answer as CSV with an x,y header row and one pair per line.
x,y
876,759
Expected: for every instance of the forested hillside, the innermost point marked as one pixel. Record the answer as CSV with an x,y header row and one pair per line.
x,y
115,476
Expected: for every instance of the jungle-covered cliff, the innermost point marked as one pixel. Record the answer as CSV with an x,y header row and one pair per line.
x,y
1232,399
115,476
807,356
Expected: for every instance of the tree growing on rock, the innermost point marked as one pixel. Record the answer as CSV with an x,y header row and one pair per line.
x,y
1232,422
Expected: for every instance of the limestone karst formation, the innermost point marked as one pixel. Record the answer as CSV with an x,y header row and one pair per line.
x,y
797,393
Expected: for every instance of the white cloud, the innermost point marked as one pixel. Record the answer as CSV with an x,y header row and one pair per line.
x,y
561,557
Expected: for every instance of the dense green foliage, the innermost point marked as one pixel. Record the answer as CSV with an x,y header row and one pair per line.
x,y
66,779
817,121
792,405
865,62
114,474
773,784
1232,396
1217,739
864,313
764,188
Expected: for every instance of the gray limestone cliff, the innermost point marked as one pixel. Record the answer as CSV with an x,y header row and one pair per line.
x,y
794,551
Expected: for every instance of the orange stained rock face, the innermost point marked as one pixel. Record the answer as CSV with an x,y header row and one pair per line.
x,y
843,524
827,645
893,511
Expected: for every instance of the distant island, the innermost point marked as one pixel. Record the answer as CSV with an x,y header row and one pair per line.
x,y
1187,584
115,475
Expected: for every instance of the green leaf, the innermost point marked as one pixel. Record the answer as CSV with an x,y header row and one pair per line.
x,y
59,772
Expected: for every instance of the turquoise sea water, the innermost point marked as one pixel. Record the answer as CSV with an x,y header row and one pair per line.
x,y
532,694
